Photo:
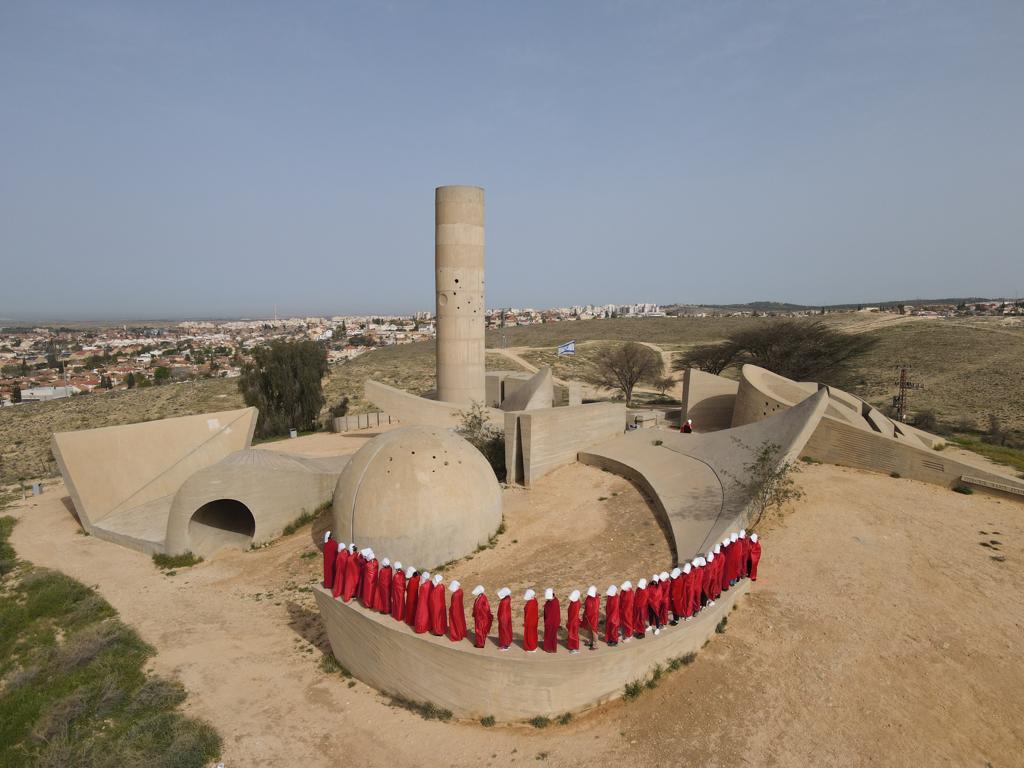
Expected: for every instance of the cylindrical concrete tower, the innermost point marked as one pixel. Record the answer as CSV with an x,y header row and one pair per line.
x,y
459,283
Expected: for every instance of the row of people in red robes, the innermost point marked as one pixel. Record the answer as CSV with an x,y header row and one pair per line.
x,y
420,601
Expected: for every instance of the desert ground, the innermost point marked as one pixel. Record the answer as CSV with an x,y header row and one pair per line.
x,y
884,629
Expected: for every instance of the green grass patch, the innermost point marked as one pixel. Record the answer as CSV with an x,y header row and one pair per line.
x,y
168,562
308,555
565,718
1001,454
425,709
331,665
634,689
74,691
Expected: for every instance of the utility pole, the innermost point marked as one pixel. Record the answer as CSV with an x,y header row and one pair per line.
x,y
899,401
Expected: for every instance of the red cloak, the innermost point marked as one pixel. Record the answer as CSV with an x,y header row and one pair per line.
x,y
723,574
411,595
530,625
457,618
755,556
663,602
611,619
330,555
382,598
627,616
438,612
422,618
572,626
707,577
398,596
677,592
552,623
340,565
592,613
368,590
735,560
482,620
351,577
745,558
505,622
641,599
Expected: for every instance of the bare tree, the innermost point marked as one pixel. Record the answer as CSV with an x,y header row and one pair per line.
x,y
623,367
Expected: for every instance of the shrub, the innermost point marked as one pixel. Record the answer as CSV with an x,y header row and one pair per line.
x,y
425,709
964,489
166,562
721,625
540,721
487,722
634,689
484,436
894,474
330,664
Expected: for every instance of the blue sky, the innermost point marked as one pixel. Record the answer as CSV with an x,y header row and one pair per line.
x,y
217,158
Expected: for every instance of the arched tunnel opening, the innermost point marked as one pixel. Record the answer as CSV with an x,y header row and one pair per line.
x,y
221,523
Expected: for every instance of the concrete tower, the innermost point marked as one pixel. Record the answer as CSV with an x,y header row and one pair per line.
x,y
459,283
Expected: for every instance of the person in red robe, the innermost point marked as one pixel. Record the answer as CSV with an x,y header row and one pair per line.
x,y
611,616
726,557
744,553
382,597
421,622
482,617
641,600
572,623
664,598
552,621
412,593
676,589
340,564
330,557
687,427
368,589
719,565
530,616
755,555
696,585
504,618
398,593
591,616
626,610
456,613
735,559
709,573
351,574
438,609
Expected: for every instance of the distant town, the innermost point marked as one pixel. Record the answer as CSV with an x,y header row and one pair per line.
x,y
41,363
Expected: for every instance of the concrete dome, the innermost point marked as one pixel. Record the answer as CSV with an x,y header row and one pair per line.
x,y
422,495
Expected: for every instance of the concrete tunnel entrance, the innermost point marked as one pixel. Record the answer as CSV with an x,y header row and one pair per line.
x,y
219,524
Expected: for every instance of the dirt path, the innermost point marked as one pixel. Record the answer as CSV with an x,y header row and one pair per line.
x,y
882,631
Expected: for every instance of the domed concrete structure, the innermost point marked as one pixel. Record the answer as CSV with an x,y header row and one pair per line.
x,y
422,495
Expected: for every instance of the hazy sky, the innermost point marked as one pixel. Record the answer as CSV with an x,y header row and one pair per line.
x,y
166,159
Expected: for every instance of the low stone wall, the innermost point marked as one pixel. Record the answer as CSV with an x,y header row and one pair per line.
x,y
510,685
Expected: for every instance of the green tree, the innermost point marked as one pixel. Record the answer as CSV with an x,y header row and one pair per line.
x,y
485,437
161,375
768,481
16,394
797,349
142,381
130,380
284,381
623,366
105,382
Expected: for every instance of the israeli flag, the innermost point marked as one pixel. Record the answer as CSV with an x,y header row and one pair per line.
x,y
569,348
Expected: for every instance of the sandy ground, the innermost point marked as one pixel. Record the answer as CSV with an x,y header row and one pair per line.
x,y
885,629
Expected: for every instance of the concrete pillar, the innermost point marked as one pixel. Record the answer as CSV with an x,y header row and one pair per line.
x,y
459,284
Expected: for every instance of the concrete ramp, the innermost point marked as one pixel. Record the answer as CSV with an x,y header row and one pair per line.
x,y
122,479
692,479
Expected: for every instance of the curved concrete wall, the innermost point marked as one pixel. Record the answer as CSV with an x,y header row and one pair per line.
x,y
853,434
413,410
708,399
459,284
536,392
275,487
511,685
